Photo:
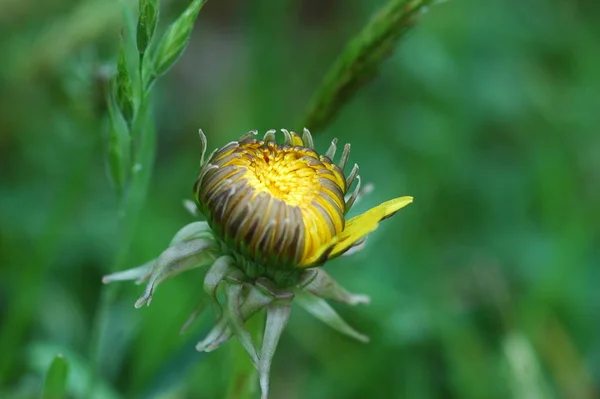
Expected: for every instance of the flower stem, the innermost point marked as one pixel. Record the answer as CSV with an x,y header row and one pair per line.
x,y
244,376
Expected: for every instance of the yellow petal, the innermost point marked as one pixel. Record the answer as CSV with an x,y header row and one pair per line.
x,y
357,228
297,140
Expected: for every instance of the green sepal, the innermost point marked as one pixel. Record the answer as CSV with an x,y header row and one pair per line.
x,y
320,309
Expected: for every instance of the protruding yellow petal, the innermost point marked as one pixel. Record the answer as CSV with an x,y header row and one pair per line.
x,y
297,140
357,228
361,225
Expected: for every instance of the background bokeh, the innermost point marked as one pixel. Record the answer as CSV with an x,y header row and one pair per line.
x,y
488,114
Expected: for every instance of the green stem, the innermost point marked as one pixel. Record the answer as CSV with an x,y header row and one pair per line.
x,y
361,58
244,377
129,212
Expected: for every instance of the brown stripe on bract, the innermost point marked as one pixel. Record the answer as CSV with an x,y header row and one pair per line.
x,y
317,237
211,169
325,159
268,230
336,208
328,180
224,199
203,172
197,187
217,205
214,180
281,226
326,216
331,195
237,211
247,220
339,174
250,135
297,241
336,191
312,161
309,152
302,152
217,178
324,171
251,153
277,215
229,147
236,187
265,213
251,229
288,234
313,224
249,142
225,160
259,207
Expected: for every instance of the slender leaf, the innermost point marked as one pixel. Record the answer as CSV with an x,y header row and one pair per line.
x,y
174,41
320,309
361,58
55,386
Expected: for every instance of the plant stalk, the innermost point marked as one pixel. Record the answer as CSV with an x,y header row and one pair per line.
x,y
244,376
361,58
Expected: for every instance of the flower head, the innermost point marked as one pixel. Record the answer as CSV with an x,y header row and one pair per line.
x,y
274,213
283,206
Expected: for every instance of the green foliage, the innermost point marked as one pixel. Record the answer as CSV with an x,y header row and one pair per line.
x,y
118,146
174,41
361,58
123,87
147,20
55,386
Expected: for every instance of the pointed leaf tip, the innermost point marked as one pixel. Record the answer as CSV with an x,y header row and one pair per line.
x,y
320,309
55,386
176,38
148,18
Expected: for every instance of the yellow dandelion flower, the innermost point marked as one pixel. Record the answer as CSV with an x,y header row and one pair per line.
x,y
283,205
274,213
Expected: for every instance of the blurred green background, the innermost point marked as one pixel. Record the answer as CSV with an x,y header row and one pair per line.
x,y
488,114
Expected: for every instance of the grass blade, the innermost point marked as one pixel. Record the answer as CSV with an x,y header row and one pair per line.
x,y
361,58
55,386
